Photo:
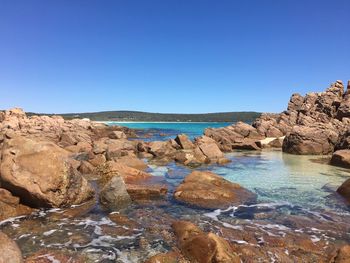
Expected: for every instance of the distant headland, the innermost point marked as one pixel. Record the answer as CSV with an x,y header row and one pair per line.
x,y
136,116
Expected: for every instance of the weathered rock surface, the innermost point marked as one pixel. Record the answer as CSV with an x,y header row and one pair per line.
x,y
114,195
208,190
313,124
170,257
198,246
342,255
344,190
184,142
129,174
10,206
41,174
341,158
9,251
317,140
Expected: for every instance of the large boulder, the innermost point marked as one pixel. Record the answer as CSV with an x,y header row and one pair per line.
x,y
42,174
317,140
184,142
208,190
342,255
10,206
161,148
344,190
9,251
114,194
198,246
341,158
209,148
129,174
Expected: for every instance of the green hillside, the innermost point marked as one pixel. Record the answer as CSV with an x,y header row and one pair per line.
x,y
166,117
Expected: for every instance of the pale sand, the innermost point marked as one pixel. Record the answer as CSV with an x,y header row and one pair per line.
x,y
269,139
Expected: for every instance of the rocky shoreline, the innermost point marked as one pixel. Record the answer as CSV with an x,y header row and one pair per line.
x,y
78,165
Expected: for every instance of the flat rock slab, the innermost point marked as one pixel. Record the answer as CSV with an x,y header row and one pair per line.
x,y
208,190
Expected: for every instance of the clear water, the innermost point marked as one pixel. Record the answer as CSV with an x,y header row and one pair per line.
x,y
276,177
297,189
167,130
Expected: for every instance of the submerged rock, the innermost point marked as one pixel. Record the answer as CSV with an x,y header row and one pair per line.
x,y
208,190
9,251
198,246
344,190
170,257
114,194
42,174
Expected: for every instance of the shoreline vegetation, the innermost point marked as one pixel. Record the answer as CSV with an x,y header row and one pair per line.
x,y
138,116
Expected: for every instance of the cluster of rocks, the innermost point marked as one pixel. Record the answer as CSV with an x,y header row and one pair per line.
x,y
316,124
49,162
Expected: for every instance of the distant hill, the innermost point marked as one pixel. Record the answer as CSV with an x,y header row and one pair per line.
x,y
165,117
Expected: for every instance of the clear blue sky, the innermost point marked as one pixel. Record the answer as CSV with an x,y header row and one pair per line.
x,y
185,56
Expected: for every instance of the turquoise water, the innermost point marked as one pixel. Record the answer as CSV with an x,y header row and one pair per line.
x,y
296,196
276,177
166,130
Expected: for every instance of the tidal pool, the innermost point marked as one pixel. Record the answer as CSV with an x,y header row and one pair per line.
x,y
296,201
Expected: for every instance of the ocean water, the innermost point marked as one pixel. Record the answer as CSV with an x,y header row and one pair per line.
x,y
295,197
166,130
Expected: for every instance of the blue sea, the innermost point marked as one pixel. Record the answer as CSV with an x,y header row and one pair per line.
x,y
167,130
290,189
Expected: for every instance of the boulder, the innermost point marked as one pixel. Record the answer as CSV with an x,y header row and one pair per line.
x,y
344,190
42,174
145,191
341,158
117,135
129,174
319,139
161,148
118,148
86,167
198,246
209,148
10,206
184,142
9,251
208,190
342,255
132,161
114,195
97,160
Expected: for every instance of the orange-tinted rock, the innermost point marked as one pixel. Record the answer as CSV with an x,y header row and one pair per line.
x,y
141,191
344,190
132,162
208,190
42,174
114,194
170,257
9,251
341,158
342,255
198,246
184,142
129,174
10,206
